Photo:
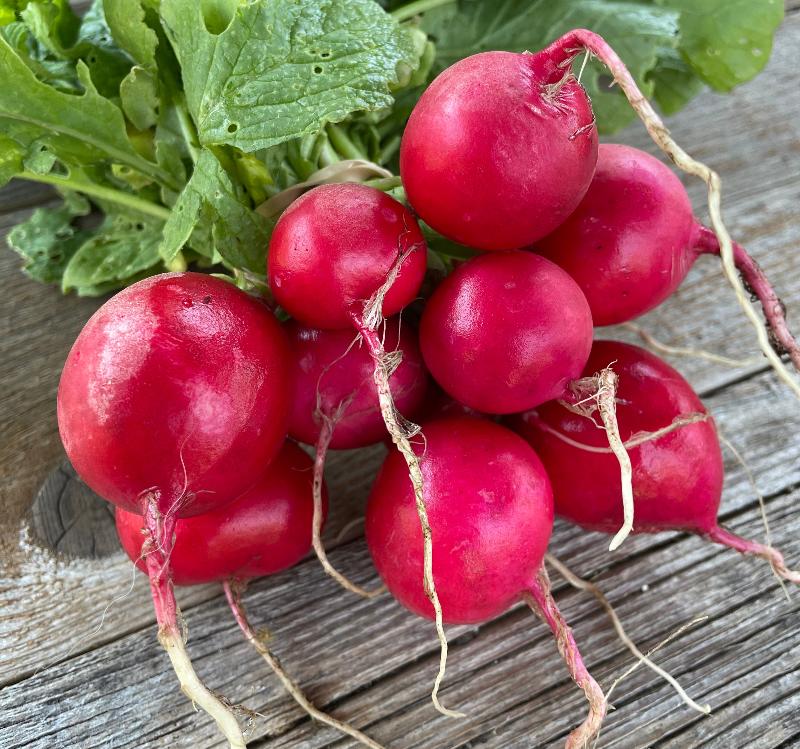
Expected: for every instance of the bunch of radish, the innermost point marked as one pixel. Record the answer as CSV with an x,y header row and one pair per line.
x,y
178,396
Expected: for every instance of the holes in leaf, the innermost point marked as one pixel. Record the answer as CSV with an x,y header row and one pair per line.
x,y
92,59
324,55
318,69
139,226
233,127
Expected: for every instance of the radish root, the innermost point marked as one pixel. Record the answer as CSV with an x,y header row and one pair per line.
x,y
720,535
663,348
599,393
541,602
639,438
757,283
582,584
233,593
160,531
321,451
582,39
401,431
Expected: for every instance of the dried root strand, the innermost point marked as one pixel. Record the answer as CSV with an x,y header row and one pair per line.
x,y
161,530
540,600
635,440
662,348
590,587
402,431
581,39
327,426
233,593
598,393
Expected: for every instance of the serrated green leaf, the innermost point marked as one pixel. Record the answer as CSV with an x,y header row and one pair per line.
x,y
637,30
727,42
126,20
89,128
68,37
52,23
47,239
282,69
122,248
56,72
210,206
139,98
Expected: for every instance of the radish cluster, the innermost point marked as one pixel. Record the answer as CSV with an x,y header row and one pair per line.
x,y
184,398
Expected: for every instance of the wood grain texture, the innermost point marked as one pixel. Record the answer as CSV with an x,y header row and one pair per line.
x,y
371,662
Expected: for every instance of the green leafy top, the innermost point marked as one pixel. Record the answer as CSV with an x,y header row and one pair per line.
x,y
178,118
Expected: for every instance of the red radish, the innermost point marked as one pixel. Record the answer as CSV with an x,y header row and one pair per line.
x,y
490,507
265,530
674,450
346,255
334,248
333,381
502,147
172,400
505,332
499,150
336,402
176,391
633,238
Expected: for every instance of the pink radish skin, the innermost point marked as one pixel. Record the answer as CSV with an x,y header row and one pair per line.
x,y
265,530
172,401
334,247
506,332
629,244
177,387
499,150
633,238
332,367
677,478
490,508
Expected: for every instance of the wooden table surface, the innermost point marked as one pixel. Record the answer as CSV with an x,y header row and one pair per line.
x,y
79,662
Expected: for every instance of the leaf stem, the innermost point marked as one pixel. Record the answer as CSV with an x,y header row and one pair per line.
x,y
188,129
419,6
103,193
342,143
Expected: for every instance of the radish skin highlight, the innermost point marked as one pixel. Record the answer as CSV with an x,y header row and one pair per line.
x,y
629,256
490,501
